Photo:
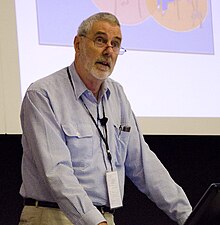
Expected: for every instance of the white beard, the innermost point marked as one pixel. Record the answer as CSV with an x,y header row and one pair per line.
x,y
100,75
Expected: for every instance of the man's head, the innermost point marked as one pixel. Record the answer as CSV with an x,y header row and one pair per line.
x,y
97,46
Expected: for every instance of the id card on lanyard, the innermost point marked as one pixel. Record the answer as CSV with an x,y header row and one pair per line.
x,y
114,194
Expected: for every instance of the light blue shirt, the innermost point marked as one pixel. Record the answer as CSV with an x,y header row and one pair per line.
x,y
64,157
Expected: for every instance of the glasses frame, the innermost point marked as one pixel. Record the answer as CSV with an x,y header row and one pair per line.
x,y
105,45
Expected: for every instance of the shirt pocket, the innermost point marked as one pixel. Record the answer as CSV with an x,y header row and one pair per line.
x,y
79,139
122,140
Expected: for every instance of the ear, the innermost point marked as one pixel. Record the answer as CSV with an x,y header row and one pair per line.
x,y
76,43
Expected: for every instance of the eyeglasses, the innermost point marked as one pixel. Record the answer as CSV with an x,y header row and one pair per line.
x,y
102,42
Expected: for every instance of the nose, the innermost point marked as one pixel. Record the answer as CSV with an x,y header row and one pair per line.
x,y
108,50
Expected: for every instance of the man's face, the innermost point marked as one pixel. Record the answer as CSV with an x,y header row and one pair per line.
x,y
98,62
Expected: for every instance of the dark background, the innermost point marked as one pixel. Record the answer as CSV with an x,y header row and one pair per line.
x,y
193,162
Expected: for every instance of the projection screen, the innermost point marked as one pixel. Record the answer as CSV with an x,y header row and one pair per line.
x,y
170,72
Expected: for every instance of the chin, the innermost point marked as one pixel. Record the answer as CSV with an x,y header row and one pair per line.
x,y
102,75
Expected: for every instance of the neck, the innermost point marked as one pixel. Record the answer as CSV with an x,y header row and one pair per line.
x,y
94,87
90,82
96,94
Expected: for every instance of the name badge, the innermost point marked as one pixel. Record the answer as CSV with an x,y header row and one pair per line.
x,y
114,194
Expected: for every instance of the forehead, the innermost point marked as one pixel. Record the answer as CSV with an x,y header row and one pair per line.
x,y
109,29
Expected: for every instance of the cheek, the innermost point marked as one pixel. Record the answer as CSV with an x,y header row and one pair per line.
x,y
89,56
86,57
114,61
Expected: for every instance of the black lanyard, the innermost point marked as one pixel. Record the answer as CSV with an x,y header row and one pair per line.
x,y
105,139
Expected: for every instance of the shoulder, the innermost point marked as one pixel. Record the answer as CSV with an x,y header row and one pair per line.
x,y
54,81
115,86
117,93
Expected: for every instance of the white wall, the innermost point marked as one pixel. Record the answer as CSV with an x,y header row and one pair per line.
x,y
10,96
10,93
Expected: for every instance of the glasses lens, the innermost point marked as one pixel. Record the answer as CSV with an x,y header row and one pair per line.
x,y
100,42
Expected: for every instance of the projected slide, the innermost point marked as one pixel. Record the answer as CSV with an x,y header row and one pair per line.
x,y
171,68
183,26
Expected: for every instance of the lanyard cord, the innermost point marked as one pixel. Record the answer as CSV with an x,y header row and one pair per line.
x,y
105,140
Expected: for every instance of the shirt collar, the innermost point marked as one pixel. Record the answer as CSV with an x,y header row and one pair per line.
x,y
80,88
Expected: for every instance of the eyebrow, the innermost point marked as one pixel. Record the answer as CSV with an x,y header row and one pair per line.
x,y
103,33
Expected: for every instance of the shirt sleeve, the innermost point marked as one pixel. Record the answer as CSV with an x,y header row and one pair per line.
x,y
45,142
151,177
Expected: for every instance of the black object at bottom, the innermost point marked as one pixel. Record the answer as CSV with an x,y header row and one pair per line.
x,y
207,210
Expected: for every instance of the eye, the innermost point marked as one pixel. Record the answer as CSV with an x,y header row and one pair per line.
x,y
100,41
115,44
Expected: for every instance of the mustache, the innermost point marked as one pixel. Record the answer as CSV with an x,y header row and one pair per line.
x,y
106,62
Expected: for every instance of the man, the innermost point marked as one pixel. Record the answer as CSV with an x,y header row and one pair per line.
x,y
80,138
